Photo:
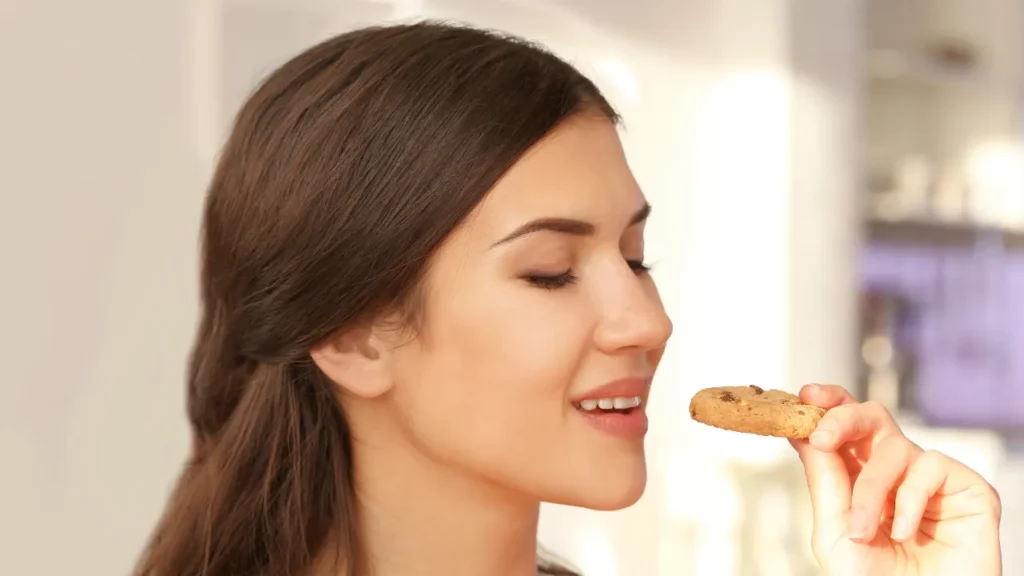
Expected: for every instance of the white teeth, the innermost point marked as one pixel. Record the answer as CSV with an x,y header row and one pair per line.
x,y
623,403
617,403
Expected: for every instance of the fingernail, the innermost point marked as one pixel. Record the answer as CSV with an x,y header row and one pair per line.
x,y
822,438
900,528
858,525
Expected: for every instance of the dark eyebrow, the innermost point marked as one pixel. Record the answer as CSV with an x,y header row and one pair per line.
x,y
567,226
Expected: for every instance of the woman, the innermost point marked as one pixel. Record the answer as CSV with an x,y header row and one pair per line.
x,y
423,264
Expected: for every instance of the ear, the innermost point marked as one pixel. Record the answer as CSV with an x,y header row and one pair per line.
x,y
356,360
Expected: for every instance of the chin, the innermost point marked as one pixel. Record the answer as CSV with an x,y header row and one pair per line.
x,y
608,490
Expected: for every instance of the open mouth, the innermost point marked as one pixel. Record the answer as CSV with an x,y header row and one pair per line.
x,y
614,405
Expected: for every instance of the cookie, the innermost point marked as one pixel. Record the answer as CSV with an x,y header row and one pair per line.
x,y
751,410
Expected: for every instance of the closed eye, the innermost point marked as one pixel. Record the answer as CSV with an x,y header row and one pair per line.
x,y
551,282
638,266
554,281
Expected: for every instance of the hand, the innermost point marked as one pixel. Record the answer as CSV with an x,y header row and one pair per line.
x,y
883,506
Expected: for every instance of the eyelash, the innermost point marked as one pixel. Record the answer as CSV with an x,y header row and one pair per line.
x,y
567,277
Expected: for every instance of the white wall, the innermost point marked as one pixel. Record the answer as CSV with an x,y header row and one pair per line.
x,y
101,185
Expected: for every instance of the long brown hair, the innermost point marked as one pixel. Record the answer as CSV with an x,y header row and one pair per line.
x,y
344,171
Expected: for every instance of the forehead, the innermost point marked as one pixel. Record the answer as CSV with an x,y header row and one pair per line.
x,y
577,171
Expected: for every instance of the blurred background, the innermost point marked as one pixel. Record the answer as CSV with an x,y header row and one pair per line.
x,y
840,198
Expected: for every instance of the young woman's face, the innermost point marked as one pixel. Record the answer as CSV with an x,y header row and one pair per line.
x,y
541,330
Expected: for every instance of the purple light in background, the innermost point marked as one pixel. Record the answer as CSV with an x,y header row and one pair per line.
x,y
967,333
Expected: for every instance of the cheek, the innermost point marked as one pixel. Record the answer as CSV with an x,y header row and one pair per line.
x,y
512,345
497,364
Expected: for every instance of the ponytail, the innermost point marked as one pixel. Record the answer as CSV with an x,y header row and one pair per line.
x,y
266,489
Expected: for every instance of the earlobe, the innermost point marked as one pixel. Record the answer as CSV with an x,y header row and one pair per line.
x,y
356,361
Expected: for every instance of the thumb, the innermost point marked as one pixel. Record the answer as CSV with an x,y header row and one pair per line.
x,y
828,481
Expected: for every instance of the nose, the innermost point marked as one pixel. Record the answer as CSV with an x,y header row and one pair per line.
x,y
633,318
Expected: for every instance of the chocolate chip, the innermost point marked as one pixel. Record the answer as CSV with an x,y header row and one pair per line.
x,y
801,412
693,412
728,397
757,389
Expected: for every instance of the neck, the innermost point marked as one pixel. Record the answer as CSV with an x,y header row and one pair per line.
x,y
420,517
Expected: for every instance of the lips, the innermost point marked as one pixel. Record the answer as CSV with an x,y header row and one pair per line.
x,y
636,387
616,408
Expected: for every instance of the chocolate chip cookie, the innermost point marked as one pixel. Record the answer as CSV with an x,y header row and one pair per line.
x,y
752,410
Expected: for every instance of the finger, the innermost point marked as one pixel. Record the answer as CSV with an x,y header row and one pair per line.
x,y
887,465
828,482
826,395
852,422
924,479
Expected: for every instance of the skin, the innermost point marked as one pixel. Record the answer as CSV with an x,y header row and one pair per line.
x,y
883,505
463,423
